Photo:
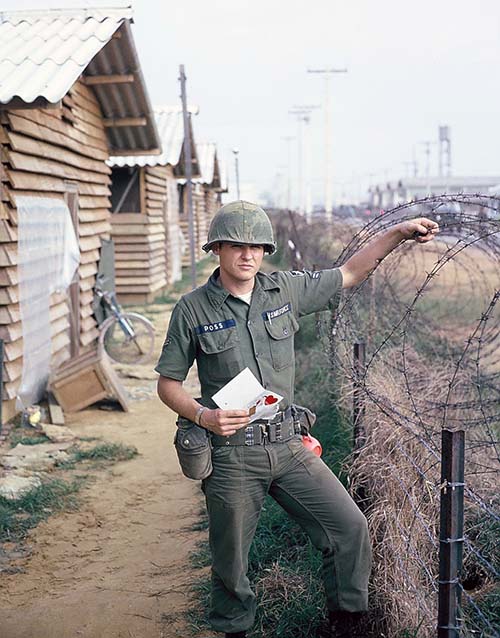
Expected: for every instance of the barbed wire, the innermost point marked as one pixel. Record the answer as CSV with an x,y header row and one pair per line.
x,y
429,316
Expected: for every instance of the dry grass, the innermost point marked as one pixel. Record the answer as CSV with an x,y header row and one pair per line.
x,y
399,471
429,320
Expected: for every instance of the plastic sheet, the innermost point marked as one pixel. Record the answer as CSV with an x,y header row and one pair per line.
x,y
177,249
48,258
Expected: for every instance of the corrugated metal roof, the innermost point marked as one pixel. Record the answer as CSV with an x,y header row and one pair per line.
x,y
212,171
170,125
207,154
43,53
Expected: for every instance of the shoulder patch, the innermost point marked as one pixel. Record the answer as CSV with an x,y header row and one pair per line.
x,y
297,273
215,327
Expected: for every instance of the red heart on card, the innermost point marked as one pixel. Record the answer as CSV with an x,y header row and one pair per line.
x,y
269,400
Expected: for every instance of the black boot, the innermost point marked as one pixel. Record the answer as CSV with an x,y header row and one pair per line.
x,y
238,634
347,624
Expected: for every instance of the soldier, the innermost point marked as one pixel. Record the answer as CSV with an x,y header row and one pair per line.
x,y
245,318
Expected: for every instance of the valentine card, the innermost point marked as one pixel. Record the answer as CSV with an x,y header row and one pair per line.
x,y
244,392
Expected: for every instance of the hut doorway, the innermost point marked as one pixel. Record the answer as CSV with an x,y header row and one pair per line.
x,y
126,190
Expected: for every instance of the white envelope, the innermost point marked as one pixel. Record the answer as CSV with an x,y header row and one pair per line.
x,y
244,392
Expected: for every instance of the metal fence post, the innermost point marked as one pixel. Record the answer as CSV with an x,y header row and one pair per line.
x,y
358,404
451,533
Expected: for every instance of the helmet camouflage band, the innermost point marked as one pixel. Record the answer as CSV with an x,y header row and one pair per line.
x,y
242,223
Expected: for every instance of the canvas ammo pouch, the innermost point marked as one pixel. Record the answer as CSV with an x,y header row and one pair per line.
x,y
305,417
194,449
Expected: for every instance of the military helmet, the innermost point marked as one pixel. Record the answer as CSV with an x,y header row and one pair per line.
x,y
242,223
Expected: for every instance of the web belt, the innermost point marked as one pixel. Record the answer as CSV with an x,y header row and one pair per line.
x,y
280,429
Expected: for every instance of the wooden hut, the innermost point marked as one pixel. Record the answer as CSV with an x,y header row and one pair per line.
x,y
71,95
145,206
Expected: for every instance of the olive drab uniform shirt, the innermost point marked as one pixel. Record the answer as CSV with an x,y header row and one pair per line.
x,y
225,335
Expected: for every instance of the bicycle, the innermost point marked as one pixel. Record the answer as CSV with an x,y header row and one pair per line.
x,y
127,337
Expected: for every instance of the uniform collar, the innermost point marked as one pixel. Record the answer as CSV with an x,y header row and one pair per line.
x,y
218,295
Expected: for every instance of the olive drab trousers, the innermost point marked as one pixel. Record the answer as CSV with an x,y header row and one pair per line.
x,y
311,494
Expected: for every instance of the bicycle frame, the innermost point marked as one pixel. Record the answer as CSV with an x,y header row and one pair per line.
x,y
111,302
127,322
125,326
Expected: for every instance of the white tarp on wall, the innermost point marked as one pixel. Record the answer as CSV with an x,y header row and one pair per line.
x,y
48,258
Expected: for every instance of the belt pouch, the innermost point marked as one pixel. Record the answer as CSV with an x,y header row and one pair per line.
x,y
194,449
304,417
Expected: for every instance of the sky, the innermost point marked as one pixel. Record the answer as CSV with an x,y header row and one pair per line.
x,y
411,66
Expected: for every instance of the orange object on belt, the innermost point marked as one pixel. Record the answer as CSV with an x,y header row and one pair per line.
x,y
312,444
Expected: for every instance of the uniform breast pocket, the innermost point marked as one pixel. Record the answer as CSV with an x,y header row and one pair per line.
x,y
221,353
280,332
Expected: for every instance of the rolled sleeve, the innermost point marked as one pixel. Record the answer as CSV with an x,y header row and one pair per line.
x,y
315,290
178,351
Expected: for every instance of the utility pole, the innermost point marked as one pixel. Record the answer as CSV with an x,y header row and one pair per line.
x,y
304,168
445,154
326,73
444,151
288,139
307,169
427,144
300,162
279,187
415,163
237,172
188,170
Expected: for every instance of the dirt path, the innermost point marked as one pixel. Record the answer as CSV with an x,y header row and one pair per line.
x,y
118,567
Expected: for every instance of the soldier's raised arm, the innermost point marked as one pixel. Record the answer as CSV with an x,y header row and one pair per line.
x,y
361,264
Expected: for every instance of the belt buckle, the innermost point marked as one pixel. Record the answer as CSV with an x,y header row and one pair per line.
x,y
249,437
263,431
278,431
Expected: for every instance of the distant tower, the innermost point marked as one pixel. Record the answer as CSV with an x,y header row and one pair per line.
x,y
444,151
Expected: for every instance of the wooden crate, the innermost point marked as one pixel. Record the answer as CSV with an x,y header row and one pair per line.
x,y
85,381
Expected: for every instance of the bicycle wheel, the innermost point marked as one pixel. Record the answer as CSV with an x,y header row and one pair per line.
x,y
129,339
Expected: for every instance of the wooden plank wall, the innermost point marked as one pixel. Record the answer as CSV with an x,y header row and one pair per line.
x,y
140,241
212,204
40,150
201,219
200,223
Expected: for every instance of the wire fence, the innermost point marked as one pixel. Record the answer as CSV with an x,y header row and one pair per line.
x,y
429,319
